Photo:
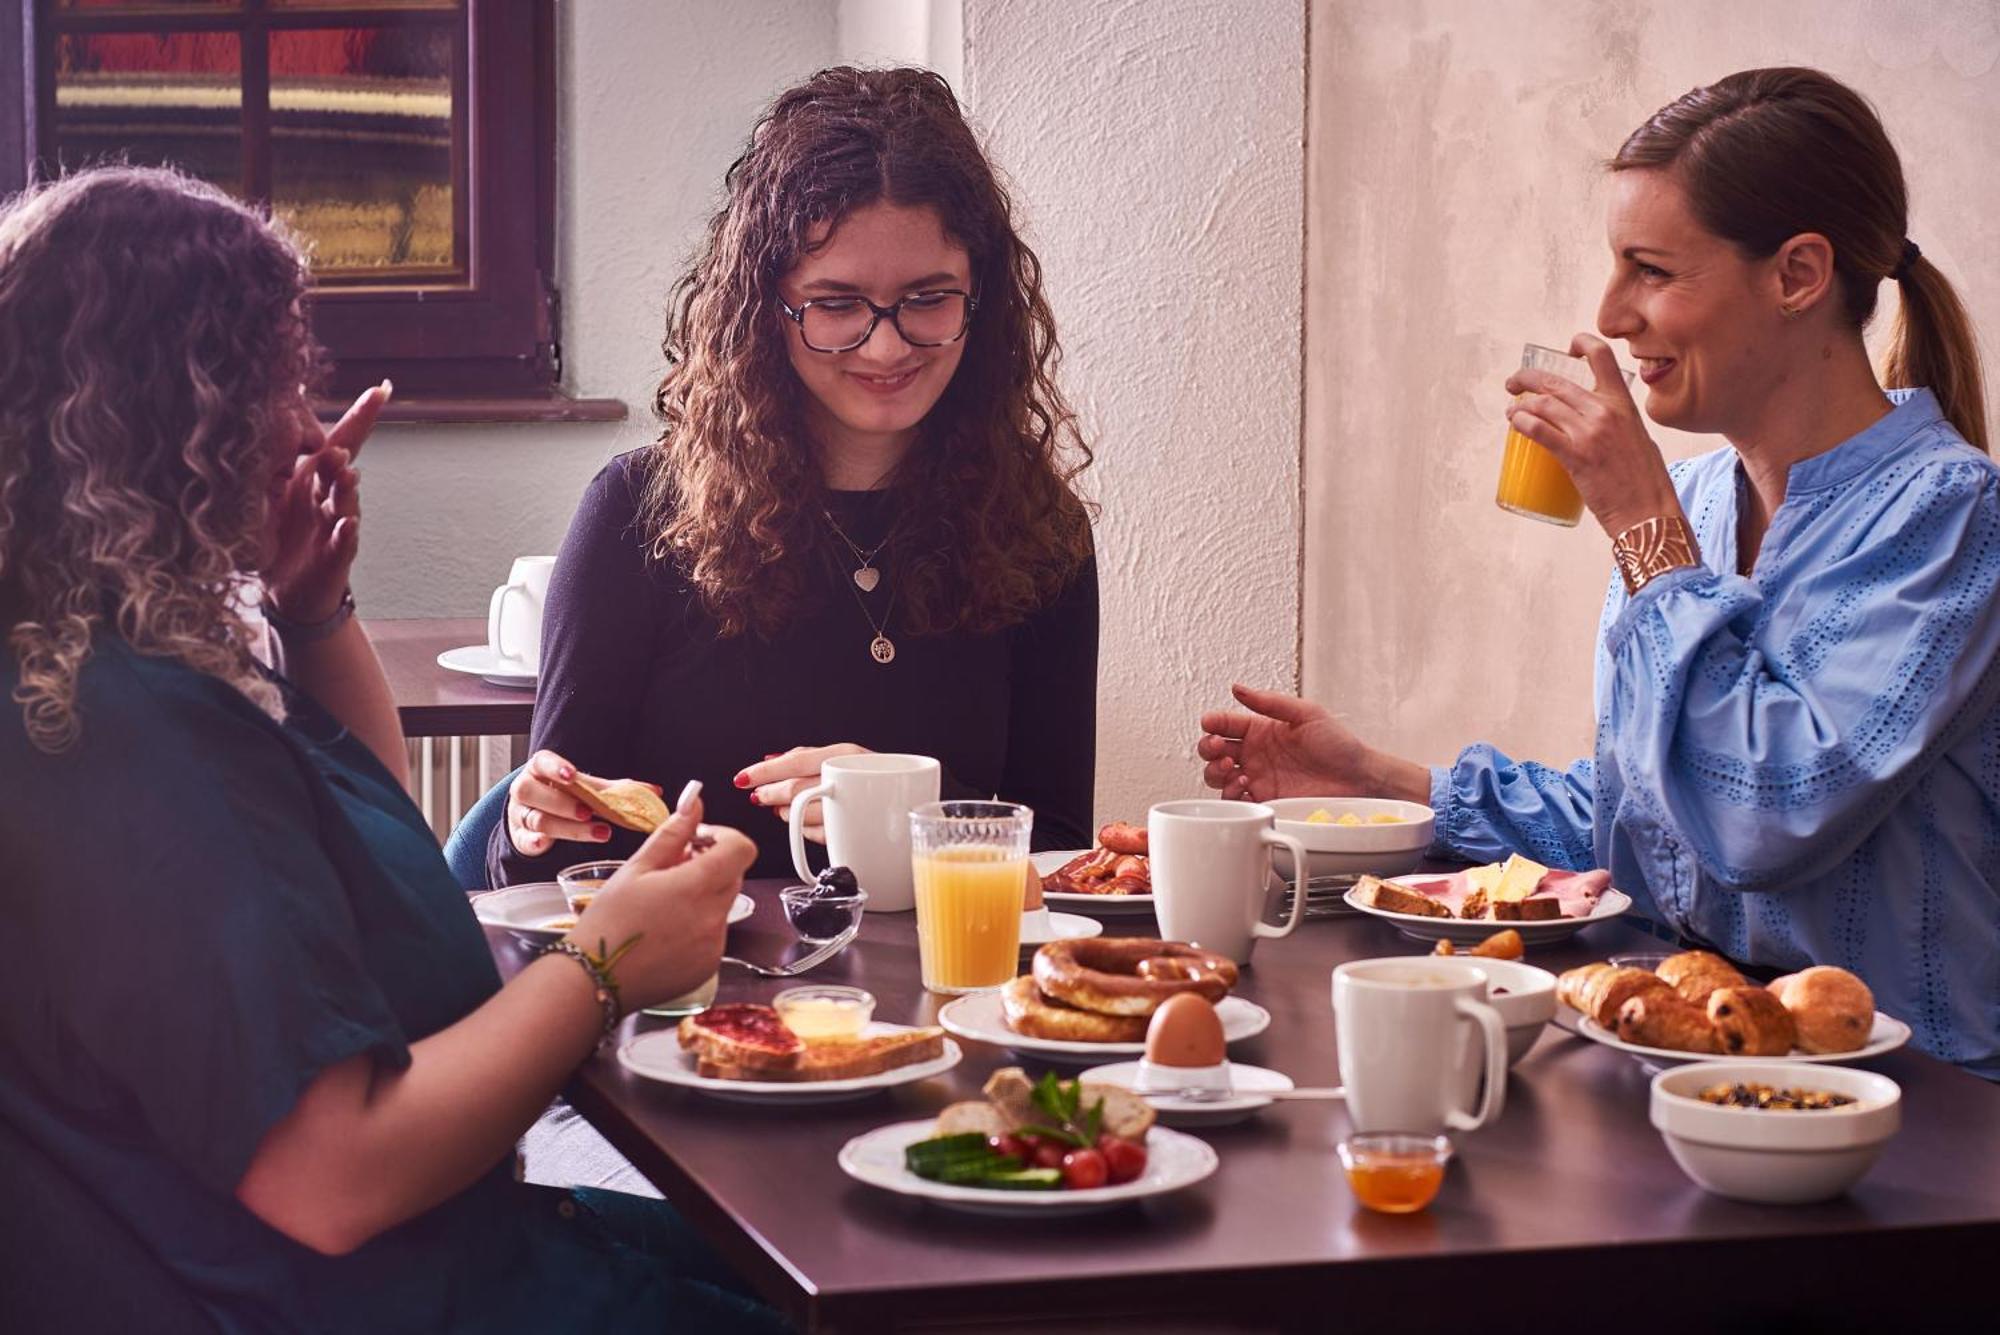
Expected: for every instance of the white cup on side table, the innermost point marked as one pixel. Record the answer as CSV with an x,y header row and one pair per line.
x,y
1211,864
514,615
1414,1039
866,800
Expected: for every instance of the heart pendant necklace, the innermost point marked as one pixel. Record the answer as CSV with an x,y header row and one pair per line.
x,y
865,575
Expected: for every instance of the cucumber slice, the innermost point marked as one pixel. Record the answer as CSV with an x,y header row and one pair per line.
x,y
1025,1179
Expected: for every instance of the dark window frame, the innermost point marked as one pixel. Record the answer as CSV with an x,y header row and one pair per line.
x,y
484,346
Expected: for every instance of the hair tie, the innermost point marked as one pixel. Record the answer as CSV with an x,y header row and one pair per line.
x,y
1907,262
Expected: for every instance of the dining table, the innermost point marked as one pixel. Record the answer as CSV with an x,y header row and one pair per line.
x,y
434,701
1566,1211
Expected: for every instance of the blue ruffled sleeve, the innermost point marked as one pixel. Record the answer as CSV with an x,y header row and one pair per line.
x,y
1488,806
1774,739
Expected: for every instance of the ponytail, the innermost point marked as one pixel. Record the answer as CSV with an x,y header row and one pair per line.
x,y
1934,348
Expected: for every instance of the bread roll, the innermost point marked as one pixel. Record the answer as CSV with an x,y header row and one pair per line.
x,y
1751,1022
1696,973
1833,1010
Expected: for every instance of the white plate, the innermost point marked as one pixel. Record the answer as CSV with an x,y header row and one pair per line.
x,y
1062,927
1888,1034
1173,1161
981,1018
536,912
1111,906
658,1055
1245,1083
1471,931
480,661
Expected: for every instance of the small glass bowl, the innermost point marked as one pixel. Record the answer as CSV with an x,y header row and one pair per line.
x,y
819,918
1649,960
581,883
825,1011
1392,1172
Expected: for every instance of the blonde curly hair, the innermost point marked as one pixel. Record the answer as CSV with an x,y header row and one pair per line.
x,y
152,337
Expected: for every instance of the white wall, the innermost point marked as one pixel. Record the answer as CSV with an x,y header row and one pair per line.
x,y
1457,211
658,98
1154,151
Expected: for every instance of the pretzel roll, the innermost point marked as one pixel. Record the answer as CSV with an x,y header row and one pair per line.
x,y
1032,1015
1129,975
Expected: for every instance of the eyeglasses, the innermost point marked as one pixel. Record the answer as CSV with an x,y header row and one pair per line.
x,y
842,324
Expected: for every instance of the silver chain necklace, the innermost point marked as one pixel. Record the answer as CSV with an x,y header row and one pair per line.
x,y
865,576
882,649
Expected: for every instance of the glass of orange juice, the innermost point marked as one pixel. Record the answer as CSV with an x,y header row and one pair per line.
x,y
970,861
1532,483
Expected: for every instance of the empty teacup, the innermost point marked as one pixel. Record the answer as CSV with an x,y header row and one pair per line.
x,y
1414,1038
514,615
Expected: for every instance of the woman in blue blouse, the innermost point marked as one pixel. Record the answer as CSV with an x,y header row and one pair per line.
x,y
1798,749
247,1013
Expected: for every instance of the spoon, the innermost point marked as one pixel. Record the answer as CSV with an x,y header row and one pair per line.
x,y
800,965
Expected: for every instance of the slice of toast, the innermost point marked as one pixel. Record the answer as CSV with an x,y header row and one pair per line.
x,y
1392,898
743,1037
1525,910
840,1059
626,803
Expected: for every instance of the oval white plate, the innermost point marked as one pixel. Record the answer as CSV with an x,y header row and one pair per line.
x,y
537,913
658,1055
480,661
1245,1082
1888,1034
981,1018
1173,1160
1471,931
1062,927
1111,906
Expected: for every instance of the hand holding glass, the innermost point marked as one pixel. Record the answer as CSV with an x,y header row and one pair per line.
x,y
1532,483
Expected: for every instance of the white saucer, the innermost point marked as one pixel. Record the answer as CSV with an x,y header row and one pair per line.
x,y
537,913
480,661
1060,927
1245,1083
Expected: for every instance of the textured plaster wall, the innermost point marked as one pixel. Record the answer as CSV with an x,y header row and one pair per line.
x,y
1154,150
1456,211
658,96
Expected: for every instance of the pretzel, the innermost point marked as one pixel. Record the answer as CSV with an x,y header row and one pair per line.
x,y
1129,975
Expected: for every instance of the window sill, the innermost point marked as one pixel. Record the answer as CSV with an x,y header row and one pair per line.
x,y
554,407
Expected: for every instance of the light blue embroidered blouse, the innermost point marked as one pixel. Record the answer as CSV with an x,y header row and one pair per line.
x,y
1801,767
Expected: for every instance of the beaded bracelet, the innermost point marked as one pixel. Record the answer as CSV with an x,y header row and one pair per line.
x,y
600,976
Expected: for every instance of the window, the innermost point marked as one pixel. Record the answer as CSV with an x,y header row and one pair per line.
x,y
411,142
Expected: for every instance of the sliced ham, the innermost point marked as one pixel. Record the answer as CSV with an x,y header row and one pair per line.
x,y
1576,891
1449,891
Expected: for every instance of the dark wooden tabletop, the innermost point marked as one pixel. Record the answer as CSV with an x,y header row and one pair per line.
x,y
435,701
1568,1204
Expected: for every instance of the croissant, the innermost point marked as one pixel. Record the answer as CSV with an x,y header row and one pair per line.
x,y
1572,983
1696,973
1834,1010
1751,1022
1607,992
1665,1019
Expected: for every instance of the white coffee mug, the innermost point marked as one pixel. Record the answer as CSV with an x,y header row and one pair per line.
x,y
1211,863
1411,1039
514,616
866,800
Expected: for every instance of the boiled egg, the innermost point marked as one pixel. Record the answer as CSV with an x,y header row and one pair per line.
x,y
1185,1033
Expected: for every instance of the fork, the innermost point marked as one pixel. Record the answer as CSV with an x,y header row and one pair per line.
x,y
799,966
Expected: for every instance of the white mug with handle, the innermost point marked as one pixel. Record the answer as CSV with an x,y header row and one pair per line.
x,y
1413,1040
514,615
1211,865
866,801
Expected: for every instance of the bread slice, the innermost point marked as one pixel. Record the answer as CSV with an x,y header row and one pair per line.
x,y
742,1037
840,1059
626,803
1377,893
1010,1094
974,1116
1524,910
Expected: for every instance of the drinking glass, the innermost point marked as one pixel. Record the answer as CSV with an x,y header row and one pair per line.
x,y
970,864
1532,483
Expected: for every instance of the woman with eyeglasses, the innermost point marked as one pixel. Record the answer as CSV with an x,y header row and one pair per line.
x,y
857,529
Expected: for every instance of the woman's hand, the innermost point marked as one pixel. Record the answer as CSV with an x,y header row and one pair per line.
x,y
1598,437
671,902
316,521
539,813
1282,746
775,780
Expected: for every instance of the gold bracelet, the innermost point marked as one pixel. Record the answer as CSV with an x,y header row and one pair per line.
x,y
1652,547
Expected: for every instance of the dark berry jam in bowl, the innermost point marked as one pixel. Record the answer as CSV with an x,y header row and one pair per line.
x,y
823,910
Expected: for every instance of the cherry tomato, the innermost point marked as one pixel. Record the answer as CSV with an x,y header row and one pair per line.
x,y
1083,1169
1009,1145
1124,1160
1049,1154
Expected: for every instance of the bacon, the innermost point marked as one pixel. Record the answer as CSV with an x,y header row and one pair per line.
x,y
1101,872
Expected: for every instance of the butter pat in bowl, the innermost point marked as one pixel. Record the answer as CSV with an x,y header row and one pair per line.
x,y
825,1012
1350,836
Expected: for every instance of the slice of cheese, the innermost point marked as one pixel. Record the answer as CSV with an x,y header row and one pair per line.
x,y
1482,878
1518,879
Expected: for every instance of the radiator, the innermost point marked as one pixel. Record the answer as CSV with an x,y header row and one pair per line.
x,y
449,774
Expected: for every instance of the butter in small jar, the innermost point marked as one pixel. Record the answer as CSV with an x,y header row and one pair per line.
x,y
825,1012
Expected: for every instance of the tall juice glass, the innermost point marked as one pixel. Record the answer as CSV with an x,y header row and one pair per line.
x,y
970,861
1532,483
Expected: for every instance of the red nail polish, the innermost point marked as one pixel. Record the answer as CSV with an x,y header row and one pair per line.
x,y
741,780
754,802
582,811
600,832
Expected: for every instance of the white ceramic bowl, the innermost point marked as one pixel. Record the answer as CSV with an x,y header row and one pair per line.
x,y
1351,850
1782,1158
1526,997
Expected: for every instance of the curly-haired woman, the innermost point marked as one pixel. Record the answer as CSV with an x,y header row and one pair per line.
x,y
857,528
249,1024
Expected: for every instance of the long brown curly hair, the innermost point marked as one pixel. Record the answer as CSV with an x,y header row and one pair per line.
x,y
151,337
989,526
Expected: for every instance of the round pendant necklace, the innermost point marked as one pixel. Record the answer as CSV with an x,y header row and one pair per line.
x,y
865,575
882,649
